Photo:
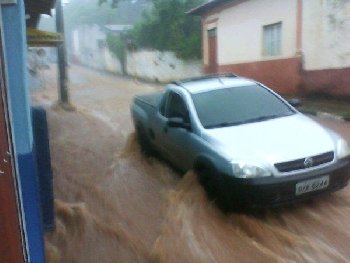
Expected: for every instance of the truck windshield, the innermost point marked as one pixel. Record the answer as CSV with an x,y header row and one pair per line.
x,y
238,105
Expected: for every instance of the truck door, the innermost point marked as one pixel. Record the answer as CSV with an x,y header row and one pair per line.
x,y
159,127
178,140
11,246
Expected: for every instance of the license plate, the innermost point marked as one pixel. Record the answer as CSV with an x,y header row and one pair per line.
x,y
312,185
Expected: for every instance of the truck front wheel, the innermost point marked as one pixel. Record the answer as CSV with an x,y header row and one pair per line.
x,y
217,188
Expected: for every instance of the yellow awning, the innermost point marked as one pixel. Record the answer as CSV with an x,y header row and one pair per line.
x,y
41,38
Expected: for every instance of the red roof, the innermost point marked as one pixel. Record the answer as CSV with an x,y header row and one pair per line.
x,y
207,7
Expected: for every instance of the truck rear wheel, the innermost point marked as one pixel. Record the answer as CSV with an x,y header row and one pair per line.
x,y
144,142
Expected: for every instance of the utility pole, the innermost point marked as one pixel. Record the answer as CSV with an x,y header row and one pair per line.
x,y
62,57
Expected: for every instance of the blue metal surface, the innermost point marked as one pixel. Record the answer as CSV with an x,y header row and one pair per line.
x,y
43,163
13,21
30,201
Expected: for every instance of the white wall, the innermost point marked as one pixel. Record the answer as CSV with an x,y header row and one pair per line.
x,y
240,27
161,66
326,34
112,63
76,49
86,47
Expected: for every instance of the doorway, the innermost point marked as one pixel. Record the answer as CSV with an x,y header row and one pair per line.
x,y
212,47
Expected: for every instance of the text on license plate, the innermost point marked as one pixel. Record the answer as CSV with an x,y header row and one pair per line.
x,y
312,185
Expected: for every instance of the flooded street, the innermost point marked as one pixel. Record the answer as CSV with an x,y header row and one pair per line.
x,y
113,204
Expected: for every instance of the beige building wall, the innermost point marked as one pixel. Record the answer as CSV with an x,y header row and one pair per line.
x,y
240,28
326,34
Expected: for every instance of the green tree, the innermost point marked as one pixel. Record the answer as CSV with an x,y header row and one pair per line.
x,y
117,45
79,12
168,27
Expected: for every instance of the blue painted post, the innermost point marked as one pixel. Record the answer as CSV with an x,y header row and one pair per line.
x,y
13,21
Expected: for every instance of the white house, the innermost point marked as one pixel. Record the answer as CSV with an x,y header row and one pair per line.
x,y
294,46
89,46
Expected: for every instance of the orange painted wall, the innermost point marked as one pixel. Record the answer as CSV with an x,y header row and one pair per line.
x,y
281,75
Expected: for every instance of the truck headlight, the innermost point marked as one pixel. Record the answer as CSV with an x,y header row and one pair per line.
x,y
243,170
343,149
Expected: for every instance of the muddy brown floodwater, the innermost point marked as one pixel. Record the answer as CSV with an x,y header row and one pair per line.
x,y
115,205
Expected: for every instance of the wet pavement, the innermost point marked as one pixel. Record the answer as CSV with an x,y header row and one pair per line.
x,y
115,205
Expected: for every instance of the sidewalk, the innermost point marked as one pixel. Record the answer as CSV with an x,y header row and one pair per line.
x,y
323,106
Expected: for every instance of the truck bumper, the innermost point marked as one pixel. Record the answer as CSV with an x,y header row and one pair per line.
x,y
273,191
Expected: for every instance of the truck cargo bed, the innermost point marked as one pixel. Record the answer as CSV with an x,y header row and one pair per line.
x,y
150,99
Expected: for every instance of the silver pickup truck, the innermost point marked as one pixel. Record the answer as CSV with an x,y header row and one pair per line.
x,y
249,147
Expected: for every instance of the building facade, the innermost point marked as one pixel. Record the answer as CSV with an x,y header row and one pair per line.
x,y
294,46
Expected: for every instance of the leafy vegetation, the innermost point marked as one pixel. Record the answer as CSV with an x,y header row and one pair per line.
x,y
168,27
80,12
346,115
117,46
165,26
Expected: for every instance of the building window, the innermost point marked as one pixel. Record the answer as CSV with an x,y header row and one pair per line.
x,y
272,39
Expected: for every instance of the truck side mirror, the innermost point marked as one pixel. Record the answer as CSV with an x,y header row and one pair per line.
x,y
178,122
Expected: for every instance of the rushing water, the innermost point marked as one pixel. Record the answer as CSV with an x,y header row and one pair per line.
x,y
113,204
